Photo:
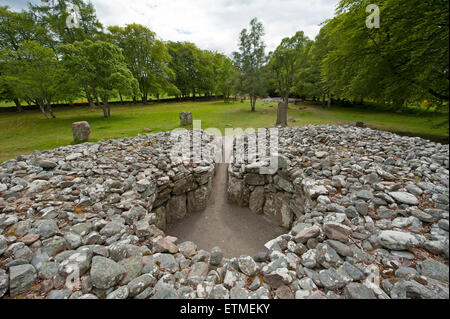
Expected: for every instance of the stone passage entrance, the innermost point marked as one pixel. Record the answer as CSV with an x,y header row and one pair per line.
x,y
236,230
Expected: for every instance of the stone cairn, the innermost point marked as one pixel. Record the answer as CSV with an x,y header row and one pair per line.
x,y
185,118
81,131
359,205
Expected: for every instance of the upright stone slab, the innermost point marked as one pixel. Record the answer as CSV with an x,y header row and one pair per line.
x,y
186,118
282,114
81,131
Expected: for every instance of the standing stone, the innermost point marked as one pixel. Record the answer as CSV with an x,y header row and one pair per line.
x,y
197,200
186,118
282,114
81,131
176,209
257,199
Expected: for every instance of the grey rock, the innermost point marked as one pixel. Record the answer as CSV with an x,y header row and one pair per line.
x,y
309,259
46,163
352,271
358,291
48,270
164,291
404,198
364,194
434,269
21,279
120,293
59,294
133,268
397,240
331,279
219,292
81,131
403,272
247,265
307,233
3,244
47,228
410,290
4,283
188,249
198,272
111,229
105,273
185,118
139,284
257,199
166,261
216,256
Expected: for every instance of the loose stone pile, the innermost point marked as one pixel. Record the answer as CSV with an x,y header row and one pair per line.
x,y
355,201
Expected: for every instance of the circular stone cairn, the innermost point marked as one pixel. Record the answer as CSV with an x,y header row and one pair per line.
x,y
81,131
185,118
344,194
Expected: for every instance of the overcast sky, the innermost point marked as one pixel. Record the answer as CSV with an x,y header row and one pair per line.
x,y
212,24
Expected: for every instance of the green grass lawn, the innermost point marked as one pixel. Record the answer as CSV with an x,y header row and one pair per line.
x,y
28,131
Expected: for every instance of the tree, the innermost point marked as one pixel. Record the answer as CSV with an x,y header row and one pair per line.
x,y
226,78
288,60
53,15
15,29
405,59
36,74
250,60
185,63
101,67
147,58
312,82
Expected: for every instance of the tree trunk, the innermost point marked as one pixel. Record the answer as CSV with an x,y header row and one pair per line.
x,y
18,105
121,98
134,100
50,110
106,109
330,97
398,104
282,114
252,103
286,98
42,108
88,96
96,97
324,100
144,98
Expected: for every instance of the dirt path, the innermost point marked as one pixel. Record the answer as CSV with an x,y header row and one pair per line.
x,y
236,230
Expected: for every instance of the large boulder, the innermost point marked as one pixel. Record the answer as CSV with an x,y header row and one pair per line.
x,y
81,131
